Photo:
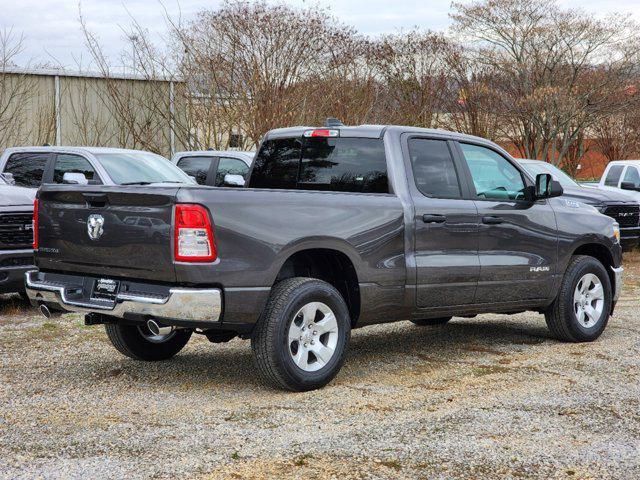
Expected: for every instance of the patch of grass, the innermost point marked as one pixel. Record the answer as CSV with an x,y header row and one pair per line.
x,y
302,460
13,305
243,416
235,456
50,326
483,370
395,464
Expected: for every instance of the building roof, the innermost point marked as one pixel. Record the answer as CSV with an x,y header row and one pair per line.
x,y
61,72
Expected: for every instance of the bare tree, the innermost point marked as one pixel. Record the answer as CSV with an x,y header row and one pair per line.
x,y
133,104
17,92
556,69
412,69
617,136
471,100
255,63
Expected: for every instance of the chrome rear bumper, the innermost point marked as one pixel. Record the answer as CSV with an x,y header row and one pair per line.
x,y
185,304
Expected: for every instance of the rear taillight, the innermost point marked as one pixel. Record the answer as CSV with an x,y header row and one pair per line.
x,y
193,235
34,224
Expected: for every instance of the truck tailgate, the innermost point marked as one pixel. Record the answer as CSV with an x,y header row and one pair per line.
x,y
131,230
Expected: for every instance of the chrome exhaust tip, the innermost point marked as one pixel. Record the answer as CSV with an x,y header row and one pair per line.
x,y
156,329
47,313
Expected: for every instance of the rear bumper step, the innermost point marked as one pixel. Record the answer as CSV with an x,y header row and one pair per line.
x,y
184,304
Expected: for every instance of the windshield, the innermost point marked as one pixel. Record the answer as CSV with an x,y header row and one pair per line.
x,y
542,167
141,168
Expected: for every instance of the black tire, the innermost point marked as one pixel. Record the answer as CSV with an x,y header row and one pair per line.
x,y
561,316
425,322
270,339
129,340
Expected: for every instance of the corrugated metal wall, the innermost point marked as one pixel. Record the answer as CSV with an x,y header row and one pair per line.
x,y
92,111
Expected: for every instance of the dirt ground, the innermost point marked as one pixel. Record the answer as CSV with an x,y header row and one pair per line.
x,y
490,397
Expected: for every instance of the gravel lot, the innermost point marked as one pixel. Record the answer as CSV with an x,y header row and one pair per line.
x,y
482,398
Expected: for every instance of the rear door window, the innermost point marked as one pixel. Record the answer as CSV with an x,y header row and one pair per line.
x,y
27,168
433,169
324,164
613,176
230,166
196,167
67,163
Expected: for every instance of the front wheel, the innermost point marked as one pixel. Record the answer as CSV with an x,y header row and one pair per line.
x,y
139,343
301,339
581,310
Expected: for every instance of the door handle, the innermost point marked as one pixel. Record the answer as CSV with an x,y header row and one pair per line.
x,y
432,218
491,220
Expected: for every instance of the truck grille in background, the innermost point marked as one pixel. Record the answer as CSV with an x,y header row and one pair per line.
x,y
17,262
16,230
625,215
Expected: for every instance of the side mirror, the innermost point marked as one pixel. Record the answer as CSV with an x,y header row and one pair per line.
x,y
8,177
231,180
629,186
73,178
547,187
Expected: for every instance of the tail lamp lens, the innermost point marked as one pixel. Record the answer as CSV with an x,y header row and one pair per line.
x,y
34,224
194,240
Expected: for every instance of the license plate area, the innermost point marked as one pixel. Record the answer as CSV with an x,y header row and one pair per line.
x,y
105,289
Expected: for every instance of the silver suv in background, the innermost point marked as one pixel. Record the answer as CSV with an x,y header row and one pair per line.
x,y
212,167
33,166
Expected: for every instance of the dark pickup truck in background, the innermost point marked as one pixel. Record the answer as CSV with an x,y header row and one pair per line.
x,y
623,208
16,236
339,227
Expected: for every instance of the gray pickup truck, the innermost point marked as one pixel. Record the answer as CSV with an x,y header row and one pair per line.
x,y
16,235
339,227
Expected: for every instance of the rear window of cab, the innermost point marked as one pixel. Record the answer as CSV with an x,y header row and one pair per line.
x,y
324,164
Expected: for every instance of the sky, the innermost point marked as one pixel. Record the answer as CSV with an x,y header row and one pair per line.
x,y
52,32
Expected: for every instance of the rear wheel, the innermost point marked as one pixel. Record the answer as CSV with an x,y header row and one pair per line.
x,y
301,338
581,310
424,322
139,343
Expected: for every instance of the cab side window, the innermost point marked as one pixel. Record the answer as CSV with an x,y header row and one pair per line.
x,y
231,166
67,163
494,177
433,169
27,168
613,176
632,176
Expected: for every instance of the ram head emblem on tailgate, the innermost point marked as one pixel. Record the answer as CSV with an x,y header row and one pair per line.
x,y
95,224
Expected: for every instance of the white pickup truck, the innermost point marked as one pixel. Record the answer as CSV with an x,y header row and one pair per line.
x,y
622,176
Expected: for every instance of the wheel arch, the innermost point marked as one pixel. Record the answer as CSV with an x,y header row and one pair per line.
x,y
328,263
601,253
